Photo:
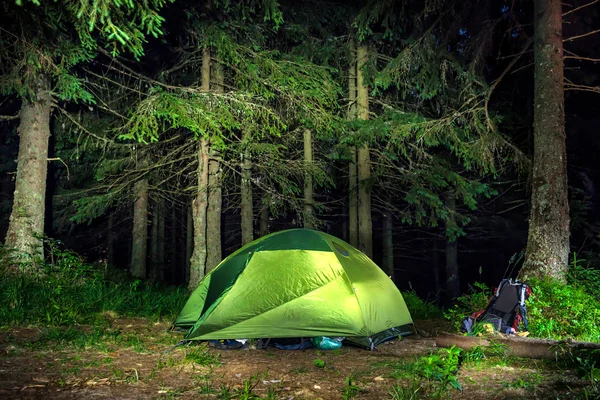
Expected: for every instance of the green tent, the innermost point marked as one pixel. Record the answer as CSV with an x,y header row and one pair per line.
x,y
296,283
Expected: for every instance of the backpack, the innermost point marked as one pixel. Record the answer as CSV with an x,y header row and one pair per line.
x,y
506,309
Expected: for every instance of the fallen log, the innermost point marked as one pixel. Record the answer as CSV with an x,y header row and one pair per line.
x,y
517,346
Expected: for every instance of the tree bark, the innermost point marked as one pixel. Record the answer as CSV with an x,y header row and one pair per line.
x,y
215,197
308,182
200,203
264,219
153,273
189,242
110,253
452,276
352,171
140,230
160,262
388,245
173,244
198,261
365,224
548,239
246,206
26,226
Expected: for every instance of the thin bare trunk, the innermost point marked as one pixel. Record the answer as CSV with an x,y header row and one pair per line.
x,y
200,203
153,273
110,256
189,242
308,182
264,218
198,261
215,197
365,224
140,230
352,171
26,226
548,240
388,245
246,206
160,262
452,276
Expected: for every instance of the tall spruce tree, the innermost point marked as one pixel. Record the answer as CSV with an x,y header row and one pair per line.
x,y
43,42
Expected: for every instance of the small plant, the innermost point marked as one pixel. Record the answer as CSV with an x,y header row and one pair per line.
x,y
246,392
437,372
528,382
475,299
319,363
350,389
414,391
200,356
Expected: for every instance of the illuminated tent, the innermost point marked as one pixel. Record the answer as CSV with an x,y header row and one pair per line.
x,y
296,283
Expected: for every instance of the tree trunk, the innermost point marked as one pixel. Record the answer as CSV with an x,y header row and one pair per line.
x,y
352,171
173,244
160,262
26,226
110,253
198,261
246,207
435,267
189,242
215,199
365,225
452,277
182,245
308,182
140,230
153,274
264,218
200,203
548,240
388,245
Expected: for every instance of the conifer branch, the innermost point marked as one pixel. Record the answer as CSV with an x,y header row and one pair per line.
x,y
580,7
499,79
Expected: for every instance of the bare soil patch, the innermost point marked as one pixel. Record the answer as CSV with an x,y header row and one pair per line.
x,y
130,359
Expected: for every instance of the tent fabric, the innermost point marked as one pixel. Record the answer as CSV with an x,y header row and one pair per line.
x,y
296,283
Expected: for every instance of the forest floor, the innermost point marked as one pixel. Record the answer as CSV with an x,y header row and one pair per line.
x,y
129,359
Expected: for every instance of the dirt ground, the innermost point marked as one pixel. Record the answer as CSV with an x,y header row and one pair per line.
x,y
130,359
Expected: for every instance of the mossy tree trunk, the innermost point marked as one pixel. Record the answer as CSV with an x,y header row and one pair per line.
x,y
547,250
352,171
215,189
365,224
309,200
140,230
200,203
26,226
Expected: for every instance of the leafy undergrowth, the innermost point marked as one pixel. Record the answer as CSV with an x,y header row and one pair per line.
x,y
421,308
71,292
555,310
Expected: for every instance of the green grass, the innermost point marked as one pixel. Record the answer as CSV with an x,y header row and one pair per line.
x,y
71,292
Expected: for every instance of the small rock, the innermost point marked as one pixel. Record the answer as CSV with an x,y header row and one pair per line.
x,y
378,378
317,387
